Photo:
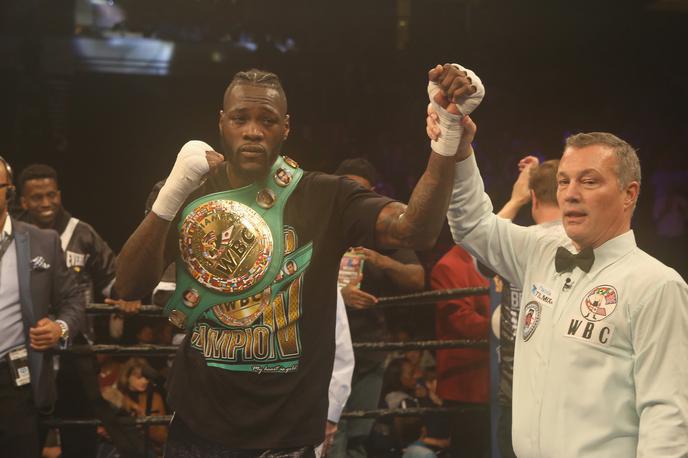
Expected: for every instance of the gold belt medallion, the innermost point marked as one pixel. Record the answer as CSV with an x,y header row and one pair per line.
x,y
226,246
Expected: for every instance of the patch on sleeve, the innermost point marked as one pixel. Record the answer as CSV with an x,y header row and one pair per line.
x,y
531,319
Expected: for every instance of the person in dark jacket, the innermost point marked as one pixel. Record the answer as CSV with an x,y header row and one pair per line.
x,y
86,253
40,306
92,263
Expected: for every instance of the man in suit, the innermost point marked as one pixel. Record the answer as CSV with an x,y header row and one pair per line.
x,y
40,306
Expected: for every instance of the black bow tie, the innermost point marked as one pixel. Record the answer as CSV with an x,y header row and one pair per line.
x,y
565,261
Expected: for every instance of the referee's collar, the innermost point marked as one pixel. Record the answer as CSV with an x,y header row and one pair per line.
x,y
614,249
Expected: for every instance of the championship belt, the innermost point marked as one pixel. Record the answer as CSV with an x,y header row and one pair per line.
x,y
231,245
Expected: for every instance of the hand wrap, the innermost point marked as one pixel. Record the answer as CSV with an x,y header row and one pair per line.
x,y
186,176
450,124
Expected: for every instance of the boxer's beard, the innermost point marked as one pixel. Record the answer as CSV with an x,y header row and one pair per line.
x,y
239,166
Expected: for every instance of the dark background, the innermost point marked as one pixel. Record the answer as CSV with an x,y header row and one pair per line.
x,y
356,86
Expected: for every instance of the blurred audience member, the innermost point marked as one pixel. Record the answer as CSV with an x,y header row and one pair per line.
x,y
92,264
86,253
135,394
435,428
463,373
383,274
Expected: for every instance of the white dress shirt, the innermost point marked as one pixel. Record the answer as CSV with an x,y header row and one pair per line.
x,y
340,383
11,323
601,364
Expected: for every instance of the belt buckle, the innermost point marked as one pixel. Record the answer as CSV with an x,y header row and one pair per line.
x,y
226,246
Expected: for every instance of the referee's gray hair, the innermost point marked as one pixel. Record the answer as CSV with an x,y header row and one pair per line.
x,y
628,164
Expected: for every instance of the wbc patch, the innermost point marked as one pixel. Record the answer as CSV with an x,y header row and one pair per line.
x,y
531,319
599,303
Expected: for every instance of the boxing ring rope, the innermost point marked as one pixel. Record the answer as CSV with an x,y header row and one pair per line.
x,y
163,420
425,297
429,297
167,350
107,309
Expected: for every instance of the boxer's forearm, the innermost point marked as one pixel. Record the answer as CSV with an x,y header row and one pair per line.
x,y
419,224
141,262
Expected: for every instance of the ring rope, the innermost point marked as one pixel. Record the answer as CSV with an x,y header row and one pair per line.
x,y
425,297
107,309
166,350
430,297
374,413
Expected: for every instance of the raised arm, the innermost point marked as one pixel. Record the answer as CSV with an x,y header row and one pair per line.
x,y
142,259
520,192
458,91
497,243
418,224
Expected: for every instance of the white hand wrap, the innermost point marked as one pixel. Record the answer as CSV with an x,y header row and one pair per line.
x,y
450,124
186,176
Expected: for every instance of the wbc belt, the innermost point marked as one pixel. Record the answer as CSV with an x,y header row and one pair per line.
x,y
231,245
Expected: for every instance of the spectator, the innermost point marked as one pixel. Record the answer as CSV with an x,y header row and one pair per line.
x,y
434,437
463,373
92,264
384,274
40,304
135,394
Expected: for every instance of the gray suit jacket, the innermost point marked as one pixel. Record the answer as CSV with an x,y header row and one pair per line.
x,y
46,287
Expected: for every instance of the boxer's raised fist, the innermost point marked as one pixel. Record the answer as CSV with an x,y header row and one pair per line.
x,y
456,89
193,163
454,92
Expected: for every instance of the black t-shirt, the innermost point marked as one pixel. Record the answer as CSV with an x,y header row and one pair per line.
x,y
248,410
